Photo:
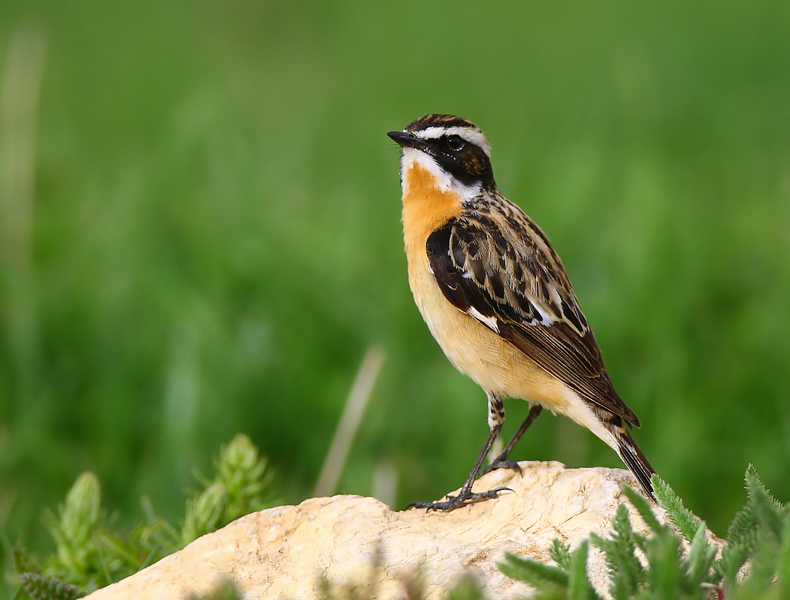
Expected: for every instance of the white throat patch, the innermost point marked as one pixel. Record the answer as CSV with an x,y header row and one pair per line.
x,y
444,181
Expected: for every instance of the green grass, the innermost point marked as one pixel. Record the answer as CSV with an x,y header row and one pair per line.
x,y
216,243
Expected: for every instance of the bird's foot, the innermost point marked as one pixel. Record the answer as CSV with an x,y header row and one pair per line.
x,y
464,497
501,463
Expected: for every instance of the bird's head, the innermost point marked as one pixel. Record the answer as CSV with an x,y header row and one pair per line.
x,y
452,149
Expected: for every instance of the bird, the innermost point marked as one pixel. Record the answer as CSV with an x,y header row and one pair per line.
x,y
498,300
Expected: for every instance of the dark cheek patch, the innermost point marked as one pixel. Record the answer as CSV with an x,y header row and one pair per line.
x,y
474,159
469,166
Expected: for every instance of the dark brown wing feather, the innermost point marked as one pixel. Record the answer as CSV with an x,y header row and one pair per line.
x,y
495,264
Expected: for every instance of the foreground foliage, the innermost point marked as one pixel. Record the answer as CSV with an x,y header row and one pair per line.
x,y
90,554
673,561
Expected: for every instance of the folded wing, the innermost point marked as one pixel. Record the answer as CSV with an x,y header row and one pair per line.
x,y
515,285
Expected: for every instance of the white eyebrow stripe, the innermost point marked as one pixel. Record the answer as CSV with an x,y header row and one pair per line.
x,y
473,136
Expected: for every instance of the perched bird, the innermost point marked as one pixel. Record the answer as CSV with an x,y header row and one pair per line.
x,y
497,299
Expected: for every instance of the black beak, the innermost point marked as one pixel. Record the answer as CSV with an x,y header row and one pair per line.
x,y
406,139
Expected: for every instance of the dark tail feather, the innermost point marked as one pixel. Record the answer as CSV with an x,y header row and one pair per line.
x,y
636,462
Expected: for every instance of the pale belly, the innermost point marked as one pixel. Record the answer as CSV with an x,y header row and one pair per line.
x,y
475,350
494,364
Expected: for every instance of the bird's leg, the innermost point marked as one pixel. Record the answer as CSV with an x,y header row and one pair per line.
x,y
496,417
501,461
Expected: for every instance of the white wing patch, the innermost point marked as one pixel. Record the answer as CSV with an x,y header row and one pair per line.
x,y
490,322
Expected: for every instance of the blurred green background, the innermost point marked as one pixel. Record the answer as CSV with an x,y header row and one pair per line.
x,y
214,238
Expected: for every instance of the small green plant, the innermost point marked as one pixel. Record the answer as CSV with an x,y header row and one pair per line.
x,y
89,554
411,583
239,488
674,563
225,589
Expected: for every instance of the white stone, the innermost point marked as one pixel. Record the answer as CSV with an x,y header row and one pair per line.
x,y
281,552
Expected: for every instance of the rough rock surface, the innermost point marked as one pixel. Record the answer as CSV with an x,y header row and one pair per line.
x,y
282,552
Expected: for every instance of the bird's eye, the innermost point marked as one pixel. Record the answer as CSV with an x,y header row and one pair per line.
x,y
455,143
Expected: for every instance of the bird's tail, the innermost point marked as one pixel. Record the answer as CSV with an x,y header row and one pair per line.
x,y
635,460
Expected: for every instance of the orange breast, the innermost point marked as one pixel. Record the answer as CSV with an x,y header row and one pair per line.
x,y
425,206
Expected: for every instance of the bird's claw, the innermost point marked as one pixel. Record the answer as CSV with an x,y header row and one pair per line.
x,y
465,497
